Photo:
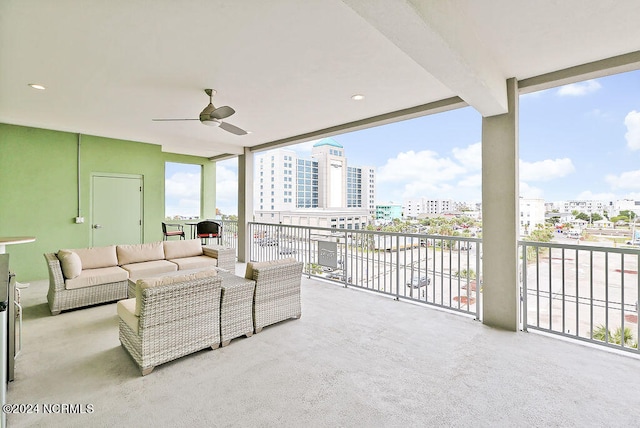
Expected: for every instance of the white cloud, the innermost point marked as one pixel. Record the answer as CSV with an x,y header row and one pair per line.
x,y
474,180
530,192
427,174
546,170
579,89
626,180
632,195
589,195
303,148
182,191
632,122
227,186
470,156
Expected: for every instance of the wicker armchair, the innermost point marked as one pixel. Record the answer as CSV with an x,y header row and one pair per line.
x,y
277,292
174,320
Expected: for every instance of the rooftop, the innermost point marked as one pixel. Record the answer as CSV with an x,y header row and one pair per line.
x,y
328,142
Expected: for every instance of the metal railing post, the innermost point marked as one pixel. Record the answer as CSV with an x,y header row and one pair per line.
x,y
525,306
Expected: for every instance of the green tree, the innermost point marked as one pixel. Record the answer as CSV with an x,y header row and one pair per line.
x,y
553,220
583,216
541,234
629,214
595,217
464,272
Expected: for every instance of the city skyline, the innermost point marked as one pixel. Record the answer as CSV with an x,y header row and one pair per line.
x,y
578,141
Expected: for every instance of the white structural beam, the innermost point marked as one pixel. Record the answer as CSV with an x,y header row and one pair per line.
x,y
435,35
245,203
500,285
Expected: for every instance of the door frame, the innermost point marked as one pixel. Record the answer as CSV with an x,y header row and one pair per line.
x,y
116,175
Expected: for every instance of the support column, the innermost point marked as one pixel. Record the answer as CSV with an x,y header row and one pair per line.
x,y
500,212
245,203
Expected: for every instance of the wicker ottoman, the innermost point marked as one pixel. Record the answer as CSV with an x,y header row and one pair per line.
x,y
236,307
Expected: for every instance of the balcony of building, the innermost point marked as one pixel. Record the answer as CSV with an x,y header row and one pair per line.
x,y
354,358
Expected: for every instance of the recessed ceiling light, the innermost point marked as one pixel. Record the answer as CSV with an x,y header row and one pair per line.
x,y
37,86
357,97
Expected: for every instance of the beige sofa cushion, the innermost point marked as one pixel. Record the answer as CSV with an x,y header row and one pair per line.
x,y
137,253
99,276
173,278
248,274
126,309
70,263
97,257
182,248
195,262
153,268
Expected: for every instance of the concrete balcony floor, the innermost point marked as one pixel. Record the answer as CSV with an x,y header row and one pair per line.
x,y
353,359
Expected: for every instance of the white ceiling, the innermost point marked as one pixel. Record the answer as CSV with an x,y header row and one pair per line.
x,y
288,67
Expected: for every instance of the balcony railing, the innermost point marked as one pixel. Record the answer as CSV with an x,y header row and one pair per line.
x,y
435,270
584,292
229,233
587,293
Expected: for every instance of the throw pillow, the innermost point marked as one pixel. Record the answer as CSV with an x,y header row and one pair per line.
x,y
70,263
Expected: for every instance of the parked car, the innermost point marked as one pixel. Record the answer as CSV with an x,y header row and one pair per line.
x,y
338,276
422,281
287,250
267,242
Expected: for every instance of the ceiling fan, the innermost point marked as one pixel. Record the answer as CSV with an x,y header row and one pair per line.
x,y
212,116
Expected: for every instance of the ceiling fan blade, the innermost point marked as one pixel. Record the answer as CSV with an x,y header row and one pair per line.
x,y
170,120
222,112
232,128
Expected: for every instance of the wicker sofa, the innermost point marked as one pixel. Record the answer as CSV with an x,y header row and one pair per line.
x,y
87,276
172,316
277,292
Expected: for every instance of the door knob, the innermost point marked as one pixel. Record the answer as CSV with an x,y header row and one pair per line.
x,y
97,226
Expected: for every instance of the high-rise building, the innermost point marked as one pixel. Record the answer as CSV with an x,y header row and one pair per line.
x,y
284,182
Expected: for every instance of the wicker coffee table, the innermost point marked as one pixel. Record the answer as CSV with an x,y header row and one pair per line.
x,y
236,307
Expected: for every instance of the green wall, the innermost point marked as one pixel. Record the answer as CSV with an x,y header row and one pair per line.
x,y
39,190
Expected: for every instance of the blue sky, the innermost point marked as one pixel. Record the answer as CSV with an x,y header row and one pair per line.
x,y
579,141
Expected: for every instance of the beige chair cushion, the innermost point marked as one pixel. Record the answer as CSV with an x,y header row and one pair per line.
x,y
173,278
251,266
126,309
182,248
195,262
137,253
146,269
70,263
97,257
100,276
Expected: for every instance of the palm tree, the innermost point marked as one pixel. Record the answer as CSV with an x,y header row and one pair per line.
x,y
602,334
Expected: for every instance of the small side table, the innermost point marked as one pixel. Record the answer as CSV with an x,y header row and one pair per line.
x,y
236,307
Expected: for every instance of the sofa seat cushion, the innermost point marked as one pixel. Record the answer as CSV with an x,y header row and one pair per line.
x,y
144,269
171,278
195,262
91,277
97,257
182,248
137,253
126,311
259,265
